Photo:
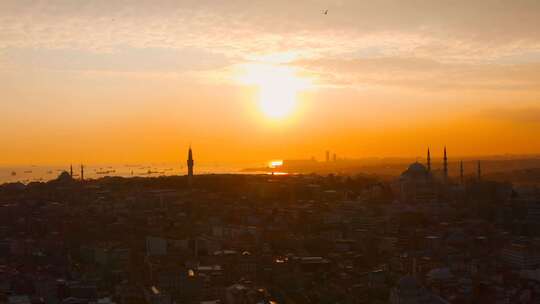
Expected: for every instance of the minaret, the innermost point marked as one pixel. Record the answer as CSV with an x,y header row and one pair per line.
x,y
445,165
71,171
82,172
461,172
479,171
190,163
428,161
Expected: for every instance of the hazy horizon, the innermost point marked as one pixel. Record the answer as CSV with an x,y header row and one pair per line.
x,y
319,157
251,81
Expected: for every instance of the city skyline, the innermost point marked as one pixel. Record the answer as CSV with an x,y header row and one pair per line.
x,y
318,156
251,81
269,151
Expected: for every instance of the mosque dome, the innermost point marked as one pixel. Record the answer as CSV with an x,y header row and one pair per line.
x,y
415,169
64,177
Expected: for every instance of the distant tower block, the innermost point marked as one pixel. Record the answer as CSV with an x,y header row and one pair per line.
x,y
335,157
428,161
190,163
327,156
461,172
479,171
445,165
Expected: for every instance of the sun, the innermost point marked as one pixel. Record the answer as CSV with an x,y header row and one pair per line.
x,y
277,101
278,88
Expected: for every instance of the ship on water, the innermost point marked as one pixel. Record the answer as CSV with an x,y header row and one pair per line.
x,y
103,172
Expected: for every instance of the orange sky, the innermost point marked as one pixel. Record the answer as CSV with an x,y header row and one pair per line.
x,y
116,82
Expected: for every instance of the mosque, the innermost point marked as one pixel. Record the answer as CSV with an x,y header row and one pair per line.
x,y
419,184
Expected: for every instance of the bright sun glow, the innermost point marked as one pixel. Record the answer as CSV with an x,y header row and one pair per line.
x,y
277,101
275,163
278,87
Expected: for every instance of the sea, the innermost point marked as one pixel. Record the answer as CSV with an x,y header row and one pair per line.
x,y
37,173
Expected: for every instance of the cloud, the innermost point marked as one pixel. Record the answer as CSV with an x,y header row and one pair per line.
x,y
459,30
121,60
433,45
525,115
424,73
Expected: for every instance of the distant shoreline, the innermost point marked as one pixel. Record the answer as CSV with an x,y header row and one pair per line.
x,y
498,166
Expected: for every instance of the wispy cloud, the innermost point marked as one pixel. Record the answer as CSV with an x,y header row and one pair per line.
x,y
462,31
524,115
424,73
122,59
488,45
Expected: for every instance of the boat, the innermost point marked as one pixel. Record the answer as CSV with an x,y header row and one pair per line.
x,y
150,172
105,172
13,173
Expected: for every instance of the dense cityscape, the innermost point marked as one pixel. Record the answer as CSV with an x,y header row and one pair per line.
x,y
421,237
344,152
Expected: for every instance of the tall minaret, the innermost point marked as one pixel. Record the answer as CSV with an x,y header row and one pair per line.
x,y
461,172
190,163
428,161
479,171
82,172
71,171
445,165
